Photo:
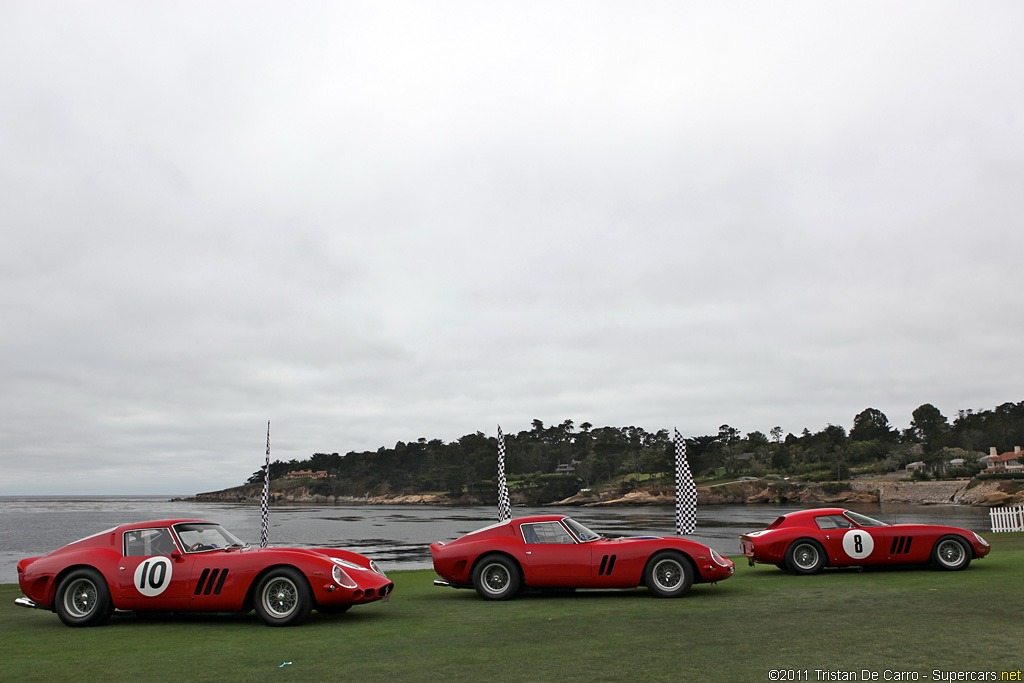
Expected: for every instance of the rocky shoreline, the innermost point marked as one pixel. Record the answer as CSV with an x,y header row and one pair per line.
x,y
759,491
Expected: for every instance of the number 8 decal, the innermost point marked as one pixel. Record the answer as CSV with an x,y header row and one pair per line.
x,y
858,544
153,576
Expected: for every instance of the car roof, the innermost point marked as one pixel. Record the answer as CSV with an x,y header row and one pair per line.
x,y
160,523
538,518
814,512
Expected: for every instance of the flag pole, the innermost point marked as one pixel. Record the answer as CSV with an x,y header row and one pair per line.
x,y
504,504
265,498
686,490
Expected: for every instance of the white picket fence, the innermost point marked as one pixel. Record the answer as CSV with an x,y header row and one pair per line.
x,y
1007,518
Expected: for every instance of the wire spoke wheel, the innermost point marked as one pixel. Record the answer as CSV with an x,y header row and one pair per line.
x,y
283,597
496,578
81,598
668,574
950,553
280,597
805,556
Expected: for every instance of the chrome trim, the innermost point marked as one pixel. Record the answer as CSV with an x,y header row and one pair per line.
x,y
27,602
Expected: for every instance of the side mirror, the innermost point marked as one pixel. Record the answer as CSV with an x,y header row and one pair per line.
x,y
176,555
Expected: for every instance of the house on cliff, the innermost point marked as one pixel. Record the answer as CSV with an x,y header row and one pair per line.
x,y
1003,462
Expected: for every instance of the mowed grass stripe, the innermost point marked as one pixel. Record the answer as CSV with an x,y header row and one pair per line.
x,y
907,619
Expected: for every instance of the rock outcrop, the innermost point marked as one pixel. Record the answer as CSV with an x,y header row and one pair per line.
x,y
748,491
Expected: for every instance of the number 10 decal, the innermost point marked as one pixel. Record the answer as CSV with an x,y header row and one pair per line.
x,y
153,576
858,544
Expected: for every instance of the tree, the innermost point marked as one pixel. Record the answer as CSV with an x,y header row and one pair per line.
x,y
871,424
929,426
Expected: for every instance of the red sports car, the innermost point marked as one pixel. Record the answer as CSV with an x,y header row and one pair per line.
x,y
196,566
553,551
808,540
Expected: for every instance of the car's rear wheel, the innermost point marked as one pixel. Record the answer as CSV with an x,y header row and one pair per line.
x,y
668,575
83,598
951,554
496,577
805,556
283,597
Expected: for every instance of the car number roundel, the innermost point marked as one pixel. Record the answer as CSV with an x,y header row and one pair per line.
x,y
858,544
153,576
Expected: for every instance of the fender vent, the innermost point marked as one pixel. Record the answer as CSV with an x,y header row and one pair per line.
x,y
211,582
607,565
901,545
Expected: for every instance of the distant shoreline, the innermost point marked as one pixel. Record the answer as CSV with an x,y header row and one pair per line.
x,y
968,492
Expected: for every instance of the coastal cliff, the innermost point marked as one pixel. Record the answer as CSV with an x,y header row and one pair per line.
x,y
758,491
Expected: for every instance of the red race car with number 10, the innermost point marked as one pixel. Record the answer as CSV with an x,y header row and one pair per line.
x,y
808,540
189,565
554,551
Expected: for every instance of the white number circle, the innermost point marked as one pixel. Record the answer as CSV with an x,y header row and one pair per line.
x,y
153,576
858,544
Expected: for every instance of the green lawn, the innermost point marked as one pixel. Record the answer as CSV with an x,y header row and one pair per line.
x,y
913,619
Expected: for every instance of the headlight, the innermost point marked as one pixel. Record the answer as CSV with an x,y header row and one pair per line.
x,y
341,578
719,560
980,539
374,567
347,564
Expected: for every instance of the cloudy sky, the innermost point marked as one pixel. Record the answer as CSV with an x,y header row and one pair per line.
x,y
373,222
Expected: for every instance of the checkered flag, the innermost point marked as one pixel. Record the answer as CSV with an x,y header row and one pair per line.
x,y
504,504
686,491
265,498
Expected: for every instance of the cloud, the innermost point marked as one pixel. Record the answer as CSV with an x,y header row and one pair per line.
x,y
372,224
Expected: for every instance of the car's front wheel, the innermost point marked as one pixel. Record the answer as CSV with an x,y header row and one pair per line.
x,y
83,598
951,554
496,577
668,575
283,597
805,556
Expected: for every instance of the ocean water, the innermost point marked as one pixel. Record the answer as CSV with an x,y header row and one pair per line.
x,y
395,536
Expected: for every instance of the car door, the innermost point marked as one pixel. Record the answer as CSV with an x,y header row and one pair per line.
x,y
153,573
551,551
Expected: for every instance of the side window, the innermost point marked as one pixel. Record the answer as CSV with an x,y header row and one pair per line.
x,y
148,542
546,532
829,522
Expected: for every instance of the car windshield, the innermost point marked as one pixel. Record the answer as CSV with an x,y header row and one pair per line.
x,y
198,537
863,520
581,532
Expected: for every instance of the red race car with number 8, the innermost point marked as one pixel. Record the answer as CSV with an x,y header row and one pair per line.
x,y
190,565
806,541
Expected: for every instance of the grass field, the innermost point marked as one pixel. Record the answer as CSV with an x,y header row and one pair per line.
x,y
905,620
